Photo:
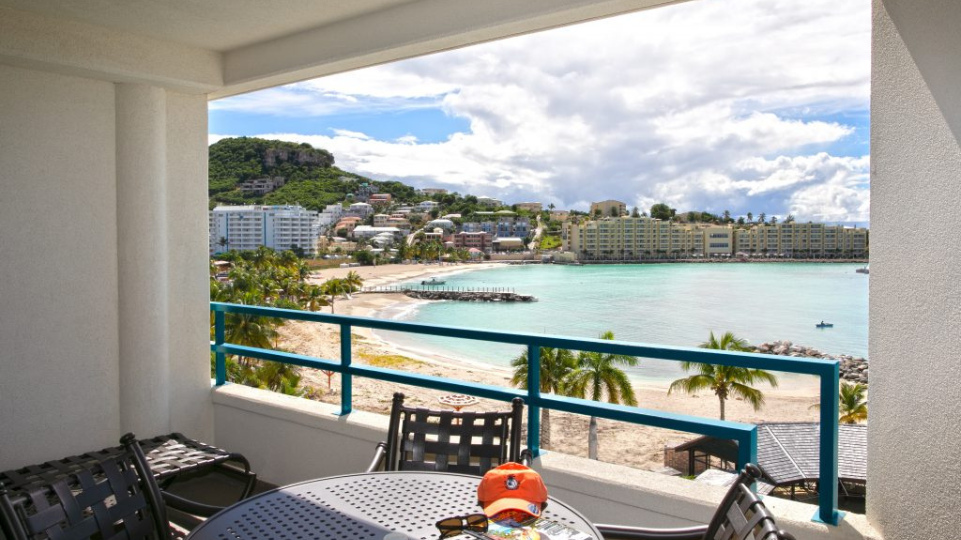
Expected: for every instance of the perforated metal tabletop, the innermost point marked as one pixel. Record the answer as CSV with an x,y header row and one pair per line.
x,y
366,506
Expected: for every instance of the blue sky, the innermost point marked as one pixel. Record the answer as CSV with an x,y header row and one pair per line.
x,y
764,108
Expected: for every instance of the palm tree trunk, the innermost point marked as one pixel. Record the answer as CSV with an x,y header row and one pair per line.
x,y
721,399
545,428
592,439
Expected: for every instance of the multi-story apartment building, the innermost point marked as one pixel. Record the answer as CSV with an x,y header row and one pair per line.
x,y
715,240
433,191
609,208
478,240
249,227
261,186
500,227
331,214
628,238
802,240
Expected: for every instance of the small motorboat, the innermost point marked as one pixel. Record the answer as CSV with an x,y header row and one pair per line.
x,y
823,324
433,281
864,270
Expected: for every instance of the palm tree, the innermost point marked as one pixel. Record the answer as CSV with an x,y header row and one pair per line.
x,y
598,375
314,297
333,287
725,380
250,330
556,366
852,407
750,217
353,281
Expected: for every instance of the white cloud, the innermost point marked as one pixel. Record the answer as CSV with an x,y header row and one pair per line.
x,y
213,137
695,104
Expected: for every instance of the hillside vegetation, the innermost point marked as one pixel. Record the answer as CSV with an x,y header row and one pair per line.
x,y
312,179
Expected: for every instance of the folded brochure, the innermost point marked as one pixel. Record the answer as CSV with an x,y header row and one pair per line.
x,y
539,529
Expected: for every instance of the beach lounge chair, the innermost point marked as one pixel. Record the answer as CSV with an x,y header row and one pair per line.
x,y
420,439
741,516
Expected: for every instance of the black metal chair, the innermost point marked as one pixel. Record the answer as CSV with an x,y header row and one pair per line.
x,y
114,497
741,516
420,439
169,458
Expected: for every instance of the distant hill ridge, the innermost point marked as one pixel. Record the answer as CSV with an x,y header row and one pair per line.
x,y
312,180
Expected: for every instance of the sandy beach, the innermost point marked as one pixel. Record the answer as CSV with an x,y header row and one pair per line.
x,y
637,446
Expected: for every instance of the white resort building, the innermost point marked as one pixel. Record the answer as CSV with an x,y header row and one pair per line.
x,y
277,227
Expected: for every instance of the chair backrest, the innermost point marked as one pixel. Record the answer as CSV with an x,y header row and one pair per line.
x,y
116,496
742,515
463,442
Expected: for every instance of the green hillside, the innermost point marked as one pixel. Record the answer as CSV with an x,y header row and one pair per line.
x,y
312,179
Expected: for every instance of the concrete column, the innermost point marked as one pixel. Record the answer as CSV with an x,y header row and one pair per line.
x,y
914,444
142,253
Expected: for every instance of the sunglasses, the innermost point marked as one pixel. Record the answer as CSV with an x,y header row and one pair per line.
x,y
453,526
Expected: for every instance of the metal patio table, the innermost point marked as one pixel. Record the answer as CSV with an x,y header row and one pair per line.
x,y
367,506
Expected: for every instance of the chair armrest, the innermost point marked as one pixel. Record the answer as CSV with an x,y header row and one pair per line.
x,y
526,457
622,532
189,507
379,454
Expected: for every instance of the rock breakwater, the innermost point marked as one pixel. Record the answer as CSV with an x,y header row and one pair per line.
x,y
470,296
853,369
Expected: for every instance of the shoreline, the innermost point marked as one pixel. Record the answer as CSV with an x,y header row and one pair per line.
x,y
628,444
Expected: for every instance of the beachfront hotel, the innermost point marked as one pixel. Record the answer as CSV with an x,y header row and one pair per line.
x,y
249,227
637,238
104,108
802,240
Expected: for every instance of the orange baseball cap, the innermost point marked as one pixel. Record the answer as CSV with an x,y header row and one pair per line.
x,y
512,486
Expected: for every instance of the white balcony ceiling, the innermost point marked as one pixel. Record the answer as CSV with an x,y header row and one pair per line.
x,y
219,25
225,47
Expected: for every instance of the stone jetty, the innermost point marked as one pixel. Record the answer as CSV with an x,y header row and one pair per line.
x,y
470,296
852,368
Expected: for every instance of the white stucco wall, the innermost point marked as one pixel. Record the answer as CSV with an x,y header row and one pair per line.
x,y
59,350
914,444
103,264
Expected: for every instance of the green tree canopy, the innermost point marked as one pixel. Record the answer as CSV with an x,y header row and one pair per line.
x,y
662,211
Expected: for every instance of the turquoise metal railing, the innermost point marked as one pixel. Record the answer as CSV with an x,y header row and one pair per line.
x,y
744,434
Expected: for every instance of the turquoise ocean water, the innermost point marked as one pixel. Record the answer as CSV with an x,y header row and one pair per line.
x,y
669,304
